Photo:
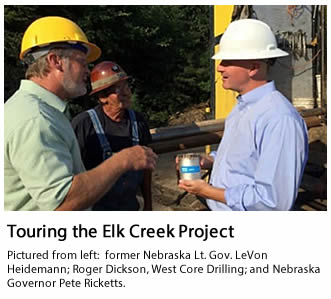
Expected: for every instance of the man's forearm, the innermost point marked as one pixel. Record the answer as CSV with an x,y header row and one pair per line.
x,y
214,193
88,187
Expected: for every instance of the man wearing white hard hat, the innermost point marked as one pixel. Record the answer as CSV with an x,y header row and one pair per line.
x,y
260,161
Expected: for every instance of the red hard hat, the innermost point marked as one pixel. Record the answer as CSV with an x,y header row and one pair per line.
x,y
106,74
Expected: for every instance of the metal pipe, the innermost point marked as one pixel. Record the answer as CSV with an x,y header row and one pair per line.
x,y
323,57
183,137
168,133
314,49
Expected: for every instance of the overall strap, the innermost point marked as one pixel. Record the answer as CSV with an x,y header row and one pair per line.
x,y
106,149
134,124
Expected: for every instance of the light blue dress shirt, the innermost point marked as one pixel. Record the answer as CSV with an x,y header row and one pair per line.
x,y
262,155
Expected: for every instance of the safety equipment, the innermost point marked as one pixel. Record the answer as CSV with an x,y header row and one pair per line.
x,y
248,39
106,74
48,31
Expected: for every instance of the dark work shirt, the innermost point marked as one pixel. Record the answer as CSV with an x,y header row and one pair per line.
x,y
122,196
118,135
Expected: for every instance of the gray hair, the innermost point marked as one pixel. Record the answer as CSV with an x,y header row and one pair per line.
x,y
40,67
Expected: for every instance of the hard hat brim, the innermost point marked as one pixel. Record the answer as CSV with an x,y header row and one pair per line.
x,y
94,52
249,56
108,85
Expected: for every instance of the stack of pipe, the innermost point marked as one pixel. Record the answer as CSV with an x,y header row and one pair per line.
x,y
169,139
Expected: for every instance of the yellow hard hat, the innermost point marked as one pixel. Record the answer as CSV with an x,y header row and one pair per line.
x,y
49,30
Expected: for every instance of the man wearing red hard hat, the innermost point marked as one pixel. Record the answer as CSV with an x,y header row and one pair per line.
x,y
110,127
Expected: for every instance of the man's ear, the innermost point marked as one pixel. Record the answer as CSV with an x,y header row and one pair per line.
x,y
55,61
254,68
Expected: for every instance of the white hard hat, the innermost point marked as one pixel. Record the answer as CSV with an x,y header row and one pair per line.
x,y
248,39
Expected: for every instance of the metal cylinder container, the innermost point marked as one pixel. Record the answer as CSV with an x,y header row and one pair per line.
x,y
189,166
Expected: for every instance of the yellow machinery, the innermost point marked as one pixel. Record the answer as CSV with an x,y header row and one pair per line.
x,y
224,100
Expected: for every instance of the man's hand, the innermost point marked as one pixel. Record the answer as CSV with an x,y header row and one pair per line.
x,y
89,186
206,162
196,187
139,157
203,189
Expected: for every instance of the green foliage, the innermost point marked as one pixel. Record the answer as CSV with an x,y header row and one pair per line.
x,y
165,48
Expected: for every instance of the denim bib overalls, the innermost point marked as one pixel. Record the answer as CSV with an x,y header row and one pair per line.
x,y
122,196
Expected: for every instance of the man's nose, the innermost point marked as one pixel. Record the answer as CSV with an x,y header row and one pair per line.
x,y
220,68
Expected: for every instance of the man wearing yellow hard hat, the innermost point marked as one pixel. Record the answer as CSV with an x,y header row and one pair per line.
x,y
43,169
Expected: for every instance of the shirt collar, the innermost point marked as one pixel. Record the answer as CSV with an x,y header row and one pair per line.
x,y
256,94
43,94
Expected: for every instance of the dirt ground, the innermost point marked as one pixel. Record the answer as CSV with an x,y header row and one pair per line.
x,y
165,190
311,197
313,192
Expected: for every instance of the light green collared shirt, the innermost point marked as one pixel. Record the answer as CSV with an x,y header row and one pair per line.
x,y
41,153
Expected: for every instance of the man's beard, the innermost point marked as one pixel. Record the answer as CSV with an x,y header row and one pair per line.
x,y
73,89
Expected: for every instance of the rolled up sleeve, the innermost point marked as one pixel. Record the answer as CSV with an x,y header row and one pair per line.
x,y
282,151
